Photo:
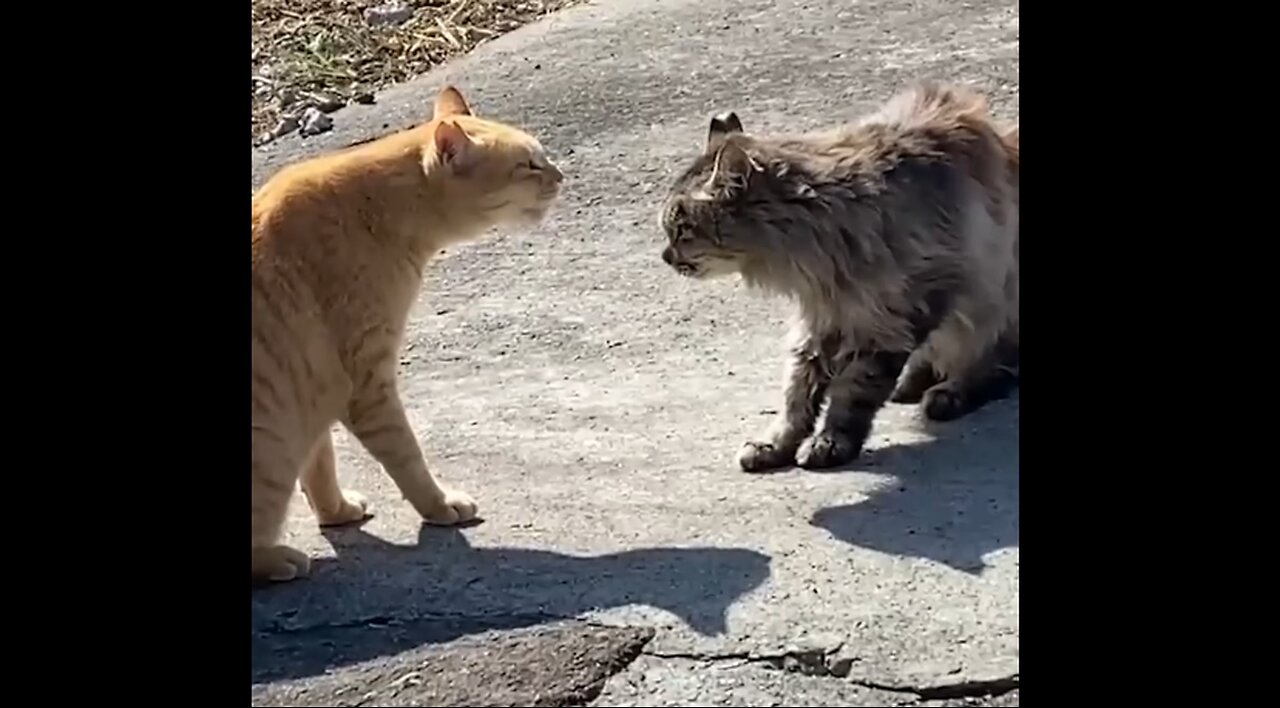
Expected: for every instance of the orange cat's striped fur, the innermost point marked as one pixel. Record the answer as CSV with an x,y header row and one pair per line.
x,y
339,247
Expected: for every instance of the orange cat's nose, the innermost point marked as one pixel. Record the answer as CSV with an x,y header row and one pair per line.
x,y
554,172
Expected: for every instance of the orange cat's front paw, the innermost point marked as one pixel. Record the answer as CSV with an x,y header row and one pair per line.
x,y
354,507
453,508
279,564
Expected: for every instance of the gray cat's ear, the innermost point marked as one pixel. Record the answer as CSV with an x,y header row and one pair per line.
x,y
733,171
733,162
722,126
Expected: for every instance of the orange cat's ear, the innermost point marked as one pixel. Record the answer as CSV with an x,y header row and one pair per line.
x,y
449,102
452,145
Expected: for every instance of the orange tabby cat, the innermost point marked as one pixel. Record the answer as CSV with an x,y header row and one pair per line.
x,y
339,247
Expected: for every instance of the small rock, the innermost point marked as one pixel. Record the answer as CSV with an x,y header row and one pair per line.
x,y
314,122
413,678
841,666
328,104
364,98
288,123
391,13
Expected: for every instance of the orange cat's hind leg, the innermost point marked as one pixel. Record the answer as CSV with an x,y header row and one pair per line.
x,y
274,478
332,505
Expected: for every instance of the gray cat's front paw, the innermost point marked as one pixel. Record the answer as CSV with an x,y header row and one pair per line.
x,y
907,392
763,456
827,450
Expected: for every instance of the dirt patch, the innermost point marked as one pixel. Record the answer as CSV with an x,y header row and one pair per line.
x,y
559,664
311,57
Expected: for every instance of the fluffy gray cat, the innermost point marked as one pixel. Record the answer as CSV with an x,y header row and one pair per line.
x,y
897,237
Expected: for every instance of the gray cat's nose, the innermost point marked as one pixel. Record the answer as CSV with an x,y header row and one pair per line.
x,y
668,255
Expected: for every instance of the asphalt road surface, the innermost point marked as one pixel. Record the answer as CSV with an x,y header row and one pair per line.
x,y
593,402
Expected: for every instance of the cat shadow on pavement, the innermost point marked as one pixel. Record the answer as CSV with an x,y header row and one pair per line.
x,y
952,499
380,598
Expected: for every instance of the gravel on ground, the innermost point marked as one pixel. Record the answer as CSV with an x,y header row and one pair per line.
x,y
311,57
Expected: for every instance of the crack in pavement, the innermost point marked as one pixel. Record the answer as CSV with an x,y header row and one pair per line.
x,y
818,662
826,663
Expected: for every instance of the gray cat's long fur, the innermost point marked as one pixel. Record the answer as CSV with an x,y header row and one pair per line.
x,y
895,235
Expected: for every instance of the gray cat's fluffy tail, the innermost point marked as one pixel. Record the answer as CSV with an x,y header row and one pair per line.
x,y
933,103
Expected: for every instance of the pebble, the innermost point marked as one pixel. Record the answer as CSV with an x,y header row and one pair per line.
x,y
328,104
391,13
288,123
364,98
315,122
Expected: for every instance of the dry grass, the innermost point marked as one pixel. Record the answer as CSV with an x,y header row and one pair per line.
x,y
325,54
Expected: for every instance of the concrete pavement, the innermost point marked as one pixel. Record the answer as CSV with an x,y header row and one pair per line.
x,y
593,403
